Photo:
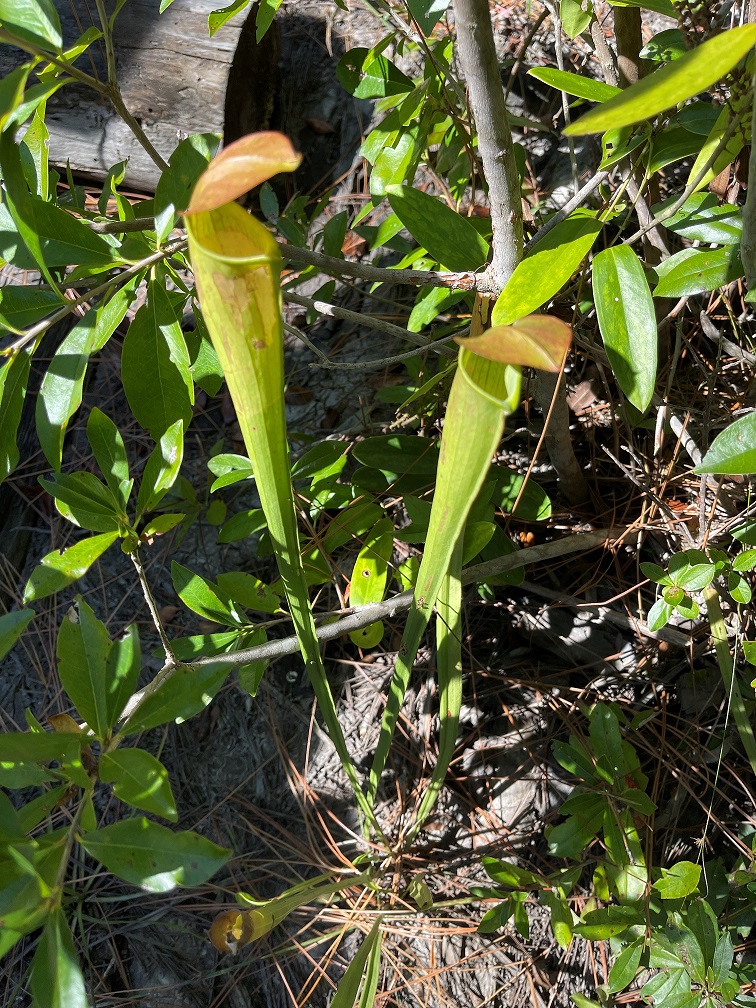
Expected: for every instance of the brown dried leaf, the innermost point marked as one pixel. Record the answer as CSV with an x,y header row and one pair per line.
x,y
319,126
226,931
240,167
63,723
538,341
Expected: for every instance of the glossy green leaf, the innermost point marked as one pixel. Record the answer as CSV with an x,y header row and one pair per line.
x,y
446,235
110,453
23,306
659,614
83,648
693,271
562,921
531,500
185,165
598,925
670,986
572,837
249,591
12,625
61,392
369,578
702,218
627,321
673,144
123,668
575,84
365,74
675,82
678,881
84,500
427,13
14,375
12,91
162,468
203,597
155,346
58,569
229,469
217,18
185,693
34,21
506,874
576,16
39,747
733,451
625,966
242,525
153,857
395,454
546,269
606,740
691,570
63,239
139,780
717,152
665,46
56,977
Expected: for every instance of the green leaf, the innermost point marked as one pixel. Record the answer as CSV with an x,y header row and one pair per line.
x,y
364,74
40,747
153,857
427,13
12,625
63,239
446,235
349,985
203,597
83,648
546,269
691,570
396,454
572,837
61,391
34,21
162,468
659,614
669,987
185,165
217,18
155,365
625,967
56,977
249,592
684,78
574,18
738,588
702,218
655,573
723,957
685,944
509,875
58,569
23,306
110,454
598,925
693,271
627,321
12,92
606,740
733,451
139,780
185,693
664,46
370,574
84,500
13,378
575,84
124,665
562,921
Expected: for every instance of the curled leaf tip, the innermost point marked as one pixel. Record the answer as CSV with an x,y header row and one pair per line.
x,y
240,167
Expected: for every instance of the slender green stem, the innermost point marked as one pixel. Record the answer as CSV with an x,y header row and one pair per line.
x,y
726,662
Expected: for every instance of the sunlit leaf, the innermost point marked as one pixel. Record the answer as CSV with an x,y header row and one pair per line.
x,y
675,82
58,569
538,341
139,780
733,452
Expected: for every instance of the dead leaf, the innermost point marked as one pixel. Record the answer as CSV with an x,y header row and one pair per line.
x,y
240,167
167,613
538,341
63,723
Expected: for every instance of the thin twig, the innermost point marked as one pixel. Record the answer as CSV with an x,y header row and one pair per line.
x,y
480,67
369,321
564,211
340,268
365,615
120,226
152,606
